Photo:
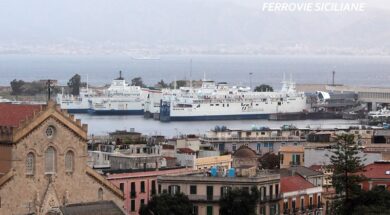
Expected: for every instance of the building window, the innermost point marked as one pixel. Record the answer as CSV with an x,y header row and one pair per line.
x,y
276,189
209,210
311,201
153,187
234,147
122,187
293,204
262,210
285,205
302,204
142,202
224,191
195,210
159,189
193,189
142,186
50,160
281,158
100,194
210,192
174,189
319,201
69,161
132,190
132,205
30,164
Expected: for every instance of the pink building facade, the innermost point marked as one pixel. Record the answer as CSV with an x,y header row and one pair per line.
x,y
138,187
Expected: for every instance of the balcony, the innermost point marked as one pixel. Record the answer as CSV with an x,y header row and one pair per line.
x,y
204,198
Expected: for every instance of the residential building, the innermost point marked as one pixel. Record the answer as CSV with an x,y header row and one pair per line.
x,y
377,174
205,191
262,140
300,196
139,185
291,156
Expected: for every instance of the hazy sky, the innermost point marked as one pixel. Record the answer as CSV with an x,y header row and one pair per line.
x,y
177,22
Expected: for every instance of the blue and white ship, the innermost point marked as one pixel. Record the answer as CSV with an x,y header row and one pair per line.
x,y
221,102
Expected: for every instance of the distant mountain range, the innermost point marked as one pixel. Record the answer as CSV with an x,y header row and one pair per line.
x,y
194,25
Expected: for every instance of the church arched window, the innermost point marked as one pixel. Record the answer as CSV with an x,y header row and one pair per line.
x,y
30,164
100,194
69,161
50,160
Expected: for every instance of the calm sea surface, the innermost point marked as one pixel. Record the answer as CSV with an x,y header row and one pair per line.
x,y
365,71
368,71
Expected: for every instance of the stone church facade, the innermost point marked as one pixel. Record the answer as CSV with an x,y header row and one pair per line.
x,y
43,162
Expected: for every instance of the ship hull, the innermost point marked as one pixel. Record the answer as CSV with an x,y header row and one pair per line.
x,y
78,110
215,117
116,112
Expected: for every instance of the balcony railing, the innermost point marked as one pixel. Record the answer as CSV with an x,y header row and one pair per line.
x,y
204,198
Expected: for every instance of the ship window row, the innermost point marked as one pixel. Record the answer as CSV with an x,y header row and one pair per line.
x,y
223,105
374,95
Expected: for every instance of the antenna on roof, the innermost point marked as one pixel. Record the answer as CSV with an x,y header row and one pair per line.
x,y
191,73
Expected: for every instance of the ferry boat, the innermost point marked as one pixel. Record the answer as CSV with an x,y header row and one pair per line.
x,y
119,99
75,104
221,102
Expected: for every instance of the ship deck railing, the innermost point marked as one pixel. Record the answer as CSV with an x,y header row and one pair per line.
x,y
251,139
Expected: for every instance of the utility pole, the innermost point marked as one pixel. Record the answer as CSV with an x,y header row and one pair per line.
x,y
250,80
48,84
333,75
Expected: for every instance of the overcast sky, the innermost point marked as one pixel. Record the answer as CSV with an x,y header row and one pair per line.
x,y
178,22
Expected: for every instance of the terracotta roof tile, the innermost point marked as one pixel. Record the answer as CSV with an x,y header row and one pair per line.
x,y
186,150
377,170
12,114
294,183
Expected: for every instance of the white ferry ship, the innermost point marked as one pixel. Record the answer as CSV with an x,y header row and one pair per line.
x,y
75,104
221,102
119,99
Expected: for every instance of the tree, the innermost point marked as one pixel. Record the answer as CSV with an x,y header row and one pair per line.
x,y
162,84
137,81
269,161
167,204
179,83
375,201
74,84
347,167
264,88
17,87
239,201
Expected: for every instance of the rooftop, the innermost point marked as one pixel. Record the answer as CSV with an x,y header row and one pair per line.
x,y
96,208
377,170
294,183
11,115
